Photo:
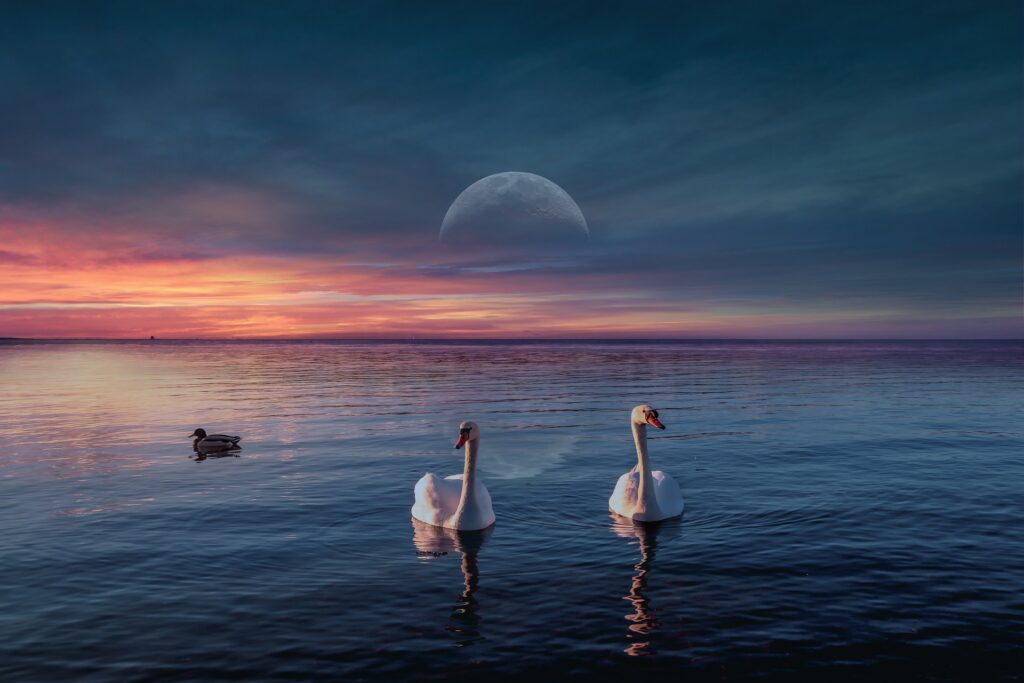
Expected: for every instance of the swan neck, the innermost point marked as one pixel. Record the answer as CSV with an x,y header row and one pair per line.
x,y
643,462
469,476
640,439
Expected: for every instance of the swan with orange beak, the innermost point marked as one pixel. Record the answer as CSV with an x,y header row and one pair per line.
x,y
642,494
459,501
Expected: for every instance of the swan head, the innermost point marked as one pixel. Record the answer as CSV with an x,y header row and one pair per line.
x,y
200,433
644,414
468,431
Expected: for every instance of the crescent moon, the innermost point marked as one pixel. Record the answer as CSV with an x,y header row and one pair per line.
x,y
514,204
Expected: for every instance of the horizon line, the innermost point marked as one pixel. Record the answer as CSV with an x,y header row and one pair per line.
x,y
504,339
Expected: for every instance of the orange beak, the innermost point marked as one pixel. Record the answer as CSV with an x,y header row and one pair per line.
x,y
656,422
462,440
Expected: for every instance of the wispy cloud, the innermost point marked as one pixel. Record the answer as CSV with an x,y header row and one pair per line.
x,y
746,170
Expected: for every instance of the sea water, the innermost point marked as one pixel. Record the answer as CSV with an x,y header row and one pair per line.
x,y
851,508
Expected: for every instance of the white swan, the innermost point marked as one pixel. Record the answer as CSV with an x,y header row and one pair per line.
x,y
640,494
460,501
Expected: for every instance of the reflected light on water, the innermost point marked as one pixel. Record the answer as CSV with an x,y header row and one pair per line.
x,y
433,542
876,482
644,620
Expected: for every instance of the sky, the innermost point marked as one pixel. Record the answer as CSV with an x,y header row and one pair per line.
x,y
282,169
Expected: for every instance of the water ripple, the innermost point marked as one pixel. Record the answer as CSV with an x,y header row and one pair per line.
x,y
847,505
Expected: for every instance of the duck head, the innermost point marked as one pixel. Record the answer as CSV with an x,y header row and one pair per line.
x,y
200,433
644,414
468,431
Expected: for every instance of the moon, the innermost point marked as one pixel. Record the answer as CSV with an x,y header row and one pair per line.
x,y
514,206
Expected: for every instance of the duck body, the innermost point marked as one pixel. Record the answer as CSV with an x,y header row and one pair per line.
x,y
213,442
459,501
643,494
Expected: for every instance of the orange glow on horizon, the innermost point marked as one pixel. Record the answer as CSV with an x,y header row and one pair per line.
x,y
55,283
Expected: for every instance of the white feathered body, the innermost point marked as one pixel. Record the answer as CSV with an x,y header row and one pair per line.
x,y
437,503
667,499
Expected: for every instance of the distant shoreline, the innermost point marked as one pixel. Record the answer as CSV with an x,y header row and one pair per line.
x,y
500,340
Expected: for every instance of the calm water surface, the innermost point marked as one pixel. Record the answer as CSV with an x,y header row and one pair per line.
x,y
855,507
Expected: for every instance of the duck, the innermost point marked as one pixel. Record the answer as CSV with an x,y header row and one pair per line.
x,y
459,501
213,442
641,494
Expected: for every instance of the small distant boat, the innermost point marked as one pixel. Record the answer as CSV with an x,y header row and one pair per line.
x,y
152,338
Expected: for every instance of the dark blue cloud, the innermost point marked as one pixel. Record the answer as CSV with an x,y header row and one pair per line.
x,y
798,152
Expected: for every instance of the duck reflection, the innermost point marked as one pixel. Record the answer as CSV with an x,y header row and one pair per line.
x,y
644,622
200,456
433,542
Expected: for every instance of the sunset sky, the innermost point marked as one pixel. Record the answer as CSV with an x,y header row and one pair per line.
x,y
258,169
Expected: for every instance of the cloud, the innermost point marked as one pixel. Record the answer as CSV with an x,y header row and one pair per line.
x,y
733,162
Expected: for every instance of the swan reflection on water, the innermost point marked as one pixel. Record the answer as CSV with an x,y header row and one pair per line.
x,y
644,622
433,542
